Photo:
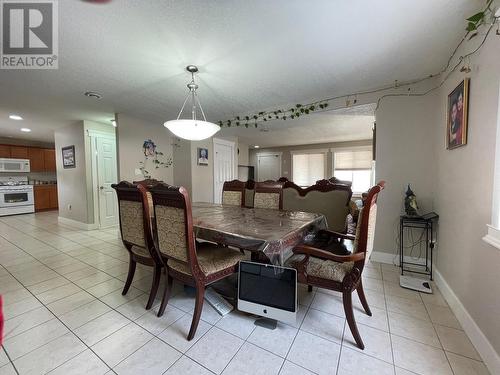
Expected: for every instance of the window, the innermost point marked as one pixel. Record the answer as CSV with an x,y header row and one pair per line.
x,y
354,165
308,167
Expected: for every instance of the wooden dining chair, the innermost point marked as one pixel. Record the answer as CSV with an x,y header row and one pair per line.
x,y
325,269
196,265
135,228
268,194
233,193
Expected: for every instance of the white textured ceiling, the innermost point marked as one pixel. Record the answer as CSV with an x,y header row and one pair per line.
x,y
252,55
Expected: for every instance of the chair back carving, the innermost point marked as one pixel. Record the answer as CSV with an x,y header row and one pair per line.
x,y
365,231
134,215
174,236
233,193
268,194
332,200
335,180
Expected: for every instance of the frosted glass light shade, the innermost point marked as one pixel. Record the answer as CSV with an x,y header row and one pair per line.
x,y
192,130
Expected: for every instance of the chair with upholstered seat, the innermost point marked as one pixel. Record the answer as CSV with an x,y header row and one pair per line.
x,y
196,265
319,266
135,229
268,194
233,193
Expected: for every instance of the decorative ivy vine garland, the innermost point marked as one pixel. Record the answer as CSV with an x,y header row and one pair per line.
x,y
473,24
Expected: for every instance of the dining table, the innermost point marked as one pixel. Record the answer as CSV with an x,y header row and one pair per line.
x,y
273,233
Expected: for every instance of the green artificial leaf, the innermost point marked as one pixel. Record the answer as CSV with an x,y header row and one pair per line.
x,y
255,124
298,105
326,105
255,117
246,125
261,113
220,123
311,108
284,118
265,119
247,118
292,116
302,110
476,17
471,26
237,123
306,111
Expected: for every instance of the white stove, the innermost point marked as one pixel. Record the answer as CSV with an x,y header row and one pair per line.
x,y
16,196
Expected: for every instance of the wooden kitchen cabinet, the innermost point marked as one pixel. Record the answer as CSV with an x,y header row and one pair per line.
x,y
45,197
49,159
41,159
36,156
19,152
4,151
53,200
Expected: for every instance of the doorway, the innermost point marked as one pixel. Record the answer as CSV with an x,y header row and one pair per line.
x,y
268,166
224,166
104,173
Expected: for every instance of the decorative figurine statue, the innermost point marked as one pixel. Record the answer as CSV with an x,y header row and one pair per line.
x,y
411,206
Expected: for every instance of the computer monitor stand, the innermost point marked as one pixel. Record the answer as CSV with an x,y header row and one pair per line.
x,y
266,323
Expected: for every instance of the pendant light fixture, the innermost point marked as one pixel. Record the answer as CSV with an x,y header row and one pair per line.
x,y
192,129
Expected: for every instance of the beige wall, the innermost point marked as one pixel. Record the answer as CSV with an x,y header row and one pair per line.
x,y
464,188
182,164
202,175
72,187
405,154
457,184
286,157
131,133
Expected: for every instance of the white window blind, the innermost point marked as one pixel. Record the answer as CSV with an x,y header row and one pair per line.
x,y
308,168
353,160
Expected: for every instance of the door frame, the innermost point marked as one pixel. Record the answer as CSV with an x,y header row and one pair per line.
x,y
259,154
231,144
93,135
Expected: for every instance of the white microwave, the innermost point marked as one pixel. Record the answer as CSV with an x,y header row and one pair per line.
x,y
14,165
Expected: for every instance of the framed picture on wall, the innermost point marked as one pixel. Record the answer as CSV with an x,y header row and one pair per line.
x,y
457,112
202,156
68,157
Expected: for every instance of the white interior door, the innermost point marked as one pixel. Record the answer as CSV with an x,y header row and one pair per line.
x,y
269,167
106,175
224,168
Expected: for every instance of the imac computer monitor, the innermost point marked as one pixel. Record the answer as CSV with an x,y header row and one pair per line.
x,y
268,291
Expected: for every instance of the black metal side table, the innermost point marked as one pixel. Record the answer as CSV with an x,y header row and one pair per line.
x,y
426,223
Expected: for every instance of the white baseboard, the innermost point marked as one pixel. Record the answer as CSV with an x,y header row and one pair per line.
x,y
477,337
390,258
76,224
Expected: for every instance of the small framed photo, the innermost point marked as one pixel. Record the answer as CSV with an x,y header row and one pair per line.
x,y
458,109
202,156
68,157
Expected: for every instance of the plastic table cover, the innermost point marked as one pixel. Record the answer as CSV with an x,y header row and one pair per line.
x,y
273,232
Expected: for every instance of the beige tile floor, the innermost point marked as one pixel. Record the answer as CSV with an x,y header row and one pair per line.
x,y
66,315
